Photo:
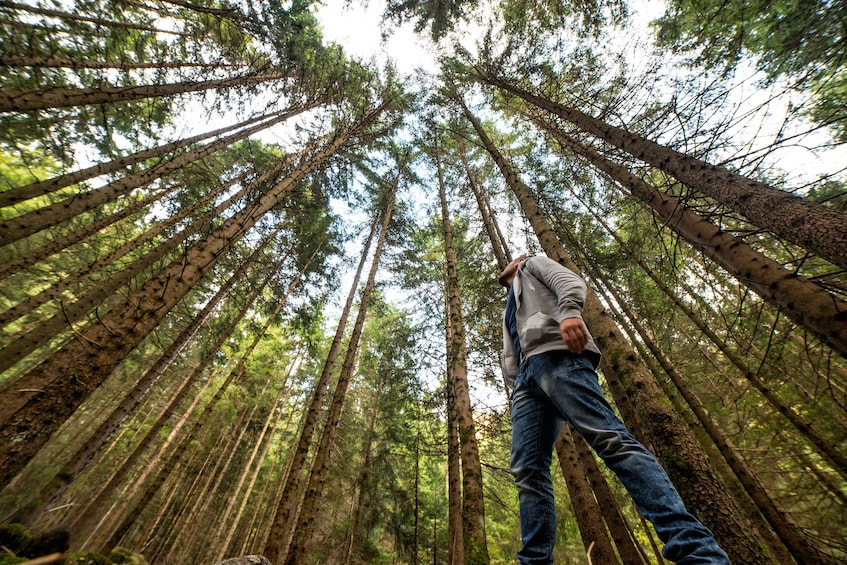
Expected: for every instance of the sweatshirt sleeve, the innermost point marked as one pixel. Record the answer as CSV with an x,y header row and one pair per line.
x,y
570,289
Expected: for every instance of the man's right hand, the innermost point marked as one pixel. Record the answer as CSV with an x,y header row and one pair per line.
x,y
574,333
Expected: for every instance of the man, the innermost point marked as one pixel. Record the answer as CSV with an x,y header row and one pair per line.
x,y
550,361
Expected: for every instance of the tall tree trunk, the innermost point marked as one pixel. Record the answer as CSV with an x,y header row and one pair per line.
x,y
94,297
174,460
54,214
103,345
805,302
473,505
619,530
26,100
455,548
47,186
63,242
684,461
475,546
273,416
498,243
320,465
364,482
584,505
276,547
589,519
100,22
804,223
55,62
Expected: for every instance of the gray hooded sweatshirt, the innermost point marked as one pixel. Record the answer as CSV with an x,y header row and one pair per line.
x,y
545,294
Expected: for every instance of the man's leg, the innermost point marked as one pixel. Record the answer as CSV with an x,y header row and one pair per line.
x,y
535,425
570,382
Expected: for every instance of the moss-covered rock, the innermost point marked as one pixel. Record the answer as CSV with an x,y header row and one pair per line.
x,y
14,537
124,556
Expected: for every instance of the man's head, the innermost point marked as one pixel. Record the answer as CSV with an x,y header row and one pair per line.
x,y
508,274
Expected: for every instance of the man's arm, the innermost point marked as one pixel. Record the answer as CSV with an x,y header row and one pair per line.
x,y
570,291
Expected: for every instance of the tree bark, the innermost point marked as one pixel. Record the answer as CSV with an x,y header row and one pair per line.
x,y
475,546
26,100
55,291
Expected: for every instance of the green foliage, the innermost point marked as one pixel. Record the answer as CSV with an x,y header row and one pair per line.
x,y
803,41
441,17
583,17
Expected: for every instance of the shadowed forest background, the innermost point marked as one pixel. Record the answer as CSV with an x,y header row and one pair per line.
x,y
249,301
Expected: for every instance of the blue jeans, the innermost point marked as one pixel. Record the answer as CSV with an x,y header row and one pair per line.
x,y
557,386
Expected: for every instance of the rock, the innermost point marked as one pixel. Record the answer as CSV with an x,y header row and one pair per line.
x,y
246,560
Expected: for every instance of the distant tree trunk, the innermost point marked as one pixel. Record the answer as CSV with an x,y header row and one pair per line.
x,y
364,481
417,491
198,515
53,62
53,214
498,244
25,100
685,462
273,416
805,302
473,506
276,547
320,464
40,188
619,530
102,346
455,548
198,495
805,223
592,529
175,458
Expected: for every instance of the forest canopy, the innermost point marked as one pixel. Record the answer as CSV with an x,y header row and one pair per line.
x,y
248,273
